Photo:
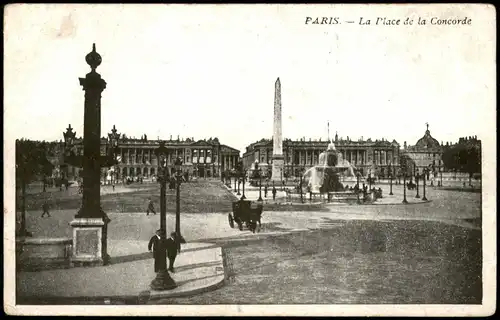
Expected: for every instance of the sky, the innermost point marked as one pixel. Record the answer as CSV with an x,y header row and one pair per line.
x,y
209,71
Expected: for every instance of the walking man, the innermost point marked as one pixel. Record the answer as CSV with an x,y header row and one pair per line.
x,y
274,193
151,207
172,248
158,247
265,191
45,208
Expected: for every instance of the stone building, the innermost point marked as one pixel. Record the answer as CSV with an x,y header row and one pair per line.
x,y
137,159
365,155
426,153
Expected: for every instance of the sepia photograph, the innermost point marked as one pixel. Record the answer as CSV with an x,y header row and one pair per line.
x,y
257,159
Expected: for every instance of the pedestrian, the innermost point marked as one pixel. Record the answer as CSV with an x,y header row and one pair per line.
x,y
265,191
172,248
158,247
274,193
113,187
45,209
151,207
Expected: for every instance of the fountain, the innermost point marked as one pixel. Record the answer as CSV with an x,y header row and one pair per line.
x,y
325,177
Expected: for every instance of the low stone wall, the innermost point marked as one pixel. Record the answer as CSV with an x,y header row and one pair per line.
x,y
43,253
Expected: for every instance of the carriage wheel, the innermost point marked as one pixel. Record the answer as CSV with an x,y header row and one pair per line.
x,y
231,220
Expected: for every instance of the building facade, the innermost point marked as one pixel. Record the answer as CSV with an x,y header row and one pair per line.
x,y
426,153
137,159
365,155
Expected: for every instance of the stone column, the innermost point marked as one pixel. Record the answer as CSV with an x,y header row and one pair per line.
x,y
90,223
278,161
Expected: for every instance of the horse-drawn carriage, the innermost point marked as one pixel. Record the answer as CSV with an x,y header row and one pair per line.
x,y
246,212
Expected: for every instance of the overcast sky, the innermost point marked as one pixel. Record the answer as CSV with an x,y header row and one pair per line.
x,y
209,71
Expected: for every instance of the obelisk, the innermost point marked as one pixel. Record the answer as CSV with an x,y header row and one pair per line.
x,y
278,162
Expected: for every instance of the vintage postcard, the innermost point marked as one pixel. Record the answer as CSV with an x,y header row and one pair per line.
x,y
260,159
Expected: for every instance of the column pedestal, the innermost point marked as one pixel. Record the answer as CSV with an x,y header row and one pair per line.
x,y
277,167
88,242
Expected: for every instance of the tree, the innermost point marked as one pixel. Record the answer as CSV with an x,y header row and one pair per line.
x,y
464,156
31,163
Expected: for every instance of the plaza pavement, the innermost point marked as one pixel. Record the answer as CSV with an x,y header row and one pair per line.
x,y
126,279
200,263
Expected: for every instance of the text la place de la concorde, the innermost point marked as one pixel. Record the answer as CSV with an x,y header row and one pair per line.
x,y
385,21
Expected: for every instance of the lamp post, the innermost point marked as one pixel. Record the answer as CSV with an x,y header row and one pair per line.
x,y
163,281
404,188
416,181
441,176
244,176
390,178
357,189
114,140
233,172
178,178
260,184
424,198
69,138
369,181
239,182
300,187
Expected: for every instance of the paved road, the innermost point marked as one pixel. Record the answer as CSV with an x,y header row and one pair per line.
x,y
350,254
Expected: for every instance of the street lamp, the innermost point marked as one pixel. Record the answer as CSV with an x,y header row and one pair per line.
x,y
178,176
259,171
300,186
233,172
417,174
424,198
404,188
69,139
369,181
163,281
244,173
357,181
114,139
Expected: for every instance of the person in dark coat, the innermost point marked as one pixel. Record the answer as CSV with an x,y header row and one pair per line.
x,y
45,208
158,247
274,193
265,191
172,248
151,207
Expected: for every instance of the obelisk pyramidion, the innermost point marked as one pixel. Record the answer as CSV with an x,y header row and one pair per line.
x,y
278,159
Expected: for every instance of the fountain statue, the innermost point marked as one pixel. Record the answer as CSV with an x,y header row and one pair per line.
x,y
325,177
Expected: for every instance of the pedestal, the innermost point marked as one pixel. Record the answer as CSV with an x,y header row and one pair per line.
x,y
277,168
87,242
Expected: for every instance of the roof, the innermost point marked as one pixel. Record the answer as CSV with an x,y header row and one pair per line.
x,y
427,141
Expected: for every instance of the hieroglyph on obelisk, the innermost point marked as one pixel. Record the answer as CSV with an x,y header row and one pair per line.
x,y
278,163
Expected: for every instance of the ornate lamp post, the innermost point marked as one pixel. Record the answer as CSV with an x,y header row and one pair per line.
x,y
90,223
390,178
424,198
244,174
416,181
235,178
260,184
178,170
239,183
441,176
300,186
114,140
163,281
404,188
357,181
69,139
